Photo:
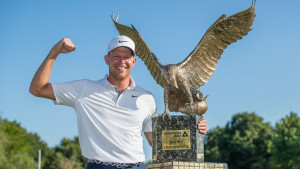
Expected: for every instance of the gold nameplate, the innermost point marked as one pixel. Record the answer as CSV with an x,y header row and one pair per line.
x,y
176,140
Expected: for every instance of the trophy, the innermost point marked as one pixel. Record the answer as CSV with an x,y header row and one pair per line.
x,y
176,140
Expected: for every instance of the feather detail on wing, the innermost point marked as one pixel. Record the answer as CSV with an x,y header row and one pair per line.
x,y
143,51
200,65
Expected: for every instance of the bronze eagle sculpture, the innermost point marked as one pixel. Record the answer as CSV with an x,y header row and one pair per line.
x,y
181,81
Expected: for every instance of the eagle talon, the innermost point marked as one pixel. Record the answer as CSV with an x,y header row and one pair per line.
x,y
163,116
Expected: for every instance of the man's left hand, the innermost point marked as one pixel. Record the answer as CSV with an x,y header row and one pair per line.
x,y
202,126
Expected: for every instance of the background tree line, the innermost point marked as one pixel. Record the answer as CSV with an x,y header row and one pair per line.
x,y
246,141
19,150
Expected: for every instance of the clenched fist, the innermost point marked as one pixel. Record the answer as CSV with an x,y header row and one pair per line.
x,y
64,46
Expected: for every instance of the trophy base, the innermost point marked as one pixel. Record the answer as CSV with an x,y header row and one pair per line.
x,y
177,139
177,144
186,165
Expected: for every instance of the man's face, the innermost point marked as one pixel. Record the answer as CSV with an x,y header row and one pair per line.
x,y
120,62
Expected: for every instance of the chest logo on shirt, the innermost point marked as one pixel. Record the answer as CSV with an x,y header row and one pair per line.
x,y
133,96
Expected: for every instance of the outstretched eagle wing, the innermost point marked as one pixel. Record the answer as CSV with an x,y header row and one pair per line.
x,y
201,63
143,51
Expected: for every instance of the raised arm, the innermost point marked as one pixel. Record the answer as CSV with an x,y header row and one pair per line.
x,y
40,85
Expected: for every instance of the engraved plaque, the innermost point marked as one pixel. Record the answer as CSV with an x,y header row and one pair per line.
x,y
176,140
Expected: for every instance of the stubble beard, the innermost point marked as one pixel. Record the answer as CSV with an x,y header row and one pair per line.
x,y
119,76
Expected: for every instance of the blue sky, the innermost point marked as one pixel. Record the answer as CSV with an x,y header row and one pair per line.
x,y
259,73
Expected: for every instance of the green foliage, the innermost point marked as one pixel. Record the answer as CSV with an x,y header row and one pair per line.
x,y
212,142
21,142
19,149
286,142
245,142
67,163
148,162
242,143
19,160
3,144
71,150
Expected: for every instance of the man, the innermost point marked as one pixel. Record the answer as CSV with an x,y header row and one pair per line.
x,y
111,112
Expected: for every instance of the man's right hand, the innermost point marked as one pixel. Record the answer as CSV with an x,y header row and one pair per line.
x,y
64,46
40,85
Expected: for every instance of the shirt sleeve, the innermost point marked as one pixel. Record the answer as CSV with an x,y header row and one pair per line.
x,y
147,124
68,93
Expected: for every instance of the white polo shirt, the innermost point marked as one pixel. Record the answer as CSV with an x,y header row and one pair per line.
x,y
109,122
